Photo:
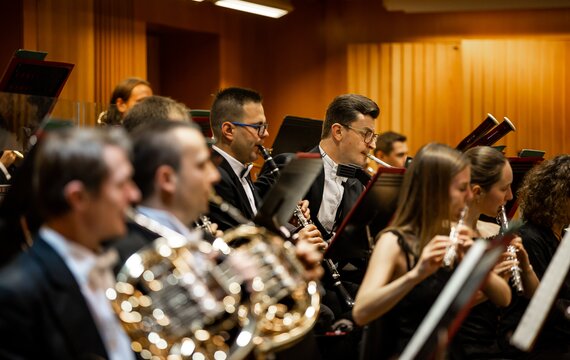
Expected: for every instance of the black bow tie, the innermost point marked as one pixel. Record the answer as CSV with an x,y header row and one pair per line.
x,y
246,170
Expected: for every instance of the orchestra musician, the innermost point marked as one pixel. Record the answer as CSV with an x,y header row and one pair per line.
x,y
491,179
125,95
405,273
52,296
544,198
239,126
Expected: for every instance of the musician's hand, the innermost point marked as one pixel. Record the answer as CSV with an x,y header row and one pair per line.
x,y
304,206
311,258
217,233
312,235
504,266
522,255
8,158
431,257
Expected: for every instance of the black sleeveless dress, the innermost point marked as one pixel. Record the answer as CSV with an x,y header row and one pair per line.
x,y
388,336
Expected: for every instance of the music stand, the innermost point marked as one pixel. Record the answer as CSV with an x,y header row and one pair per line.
x,y
294,182
373,208
39,83
454,302
297,134
202,118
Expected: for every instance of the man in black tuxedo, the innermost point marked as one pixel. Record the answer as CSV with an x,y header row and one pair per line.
x,y
175,175
239,127
52,297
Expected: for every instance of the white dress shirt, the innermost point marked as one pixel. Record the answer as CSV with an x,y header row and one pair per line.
x,y
332,192
81,261
238,169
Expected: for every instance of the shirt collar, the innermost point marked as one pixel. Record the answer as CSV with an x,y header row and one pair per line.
x,y
168,220
79,259
330,166
239,169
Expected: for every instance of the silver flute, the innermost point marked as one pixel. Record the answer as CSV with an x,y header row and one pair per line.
x,y
378,161
451,250
516,279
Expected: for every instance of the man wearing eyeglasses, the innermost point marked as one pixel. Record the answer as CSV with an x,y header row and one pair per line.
x,y
239,126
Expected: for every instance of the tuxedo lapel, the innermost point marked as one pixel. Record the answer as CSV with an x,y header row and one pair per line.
x,y
243,202
68,304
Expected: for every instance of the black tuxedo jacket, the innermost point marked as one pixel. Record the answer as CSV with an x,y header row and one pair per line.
x,y
43,314
231,190
352,190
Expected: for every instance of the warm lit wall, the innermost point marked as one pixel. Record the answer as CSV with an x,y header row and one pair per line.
x,y
440,91
298,62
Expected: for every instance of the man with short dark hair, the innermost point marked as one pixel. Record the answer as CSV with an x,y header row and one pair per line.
x,y
391,148
239,127
52,297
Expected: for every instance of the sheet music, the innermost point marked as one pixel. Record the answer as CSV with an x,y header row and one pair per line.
x,y
541,302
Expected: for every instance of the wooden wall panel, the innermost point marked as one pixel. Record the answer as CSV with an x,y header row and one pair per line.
x,y
415,86
64,28
120,46
524,80
440,91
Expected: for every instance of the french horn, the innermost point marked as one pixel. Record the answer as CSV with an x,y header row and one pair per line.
x,y
182,299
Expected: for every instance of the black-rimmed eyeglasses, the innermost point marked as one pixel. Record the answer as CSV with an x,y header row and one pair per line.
x,y
259,127
368,135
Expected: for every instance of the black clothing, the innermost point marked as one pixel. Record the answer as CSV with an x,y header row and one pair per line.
x,y
230,189
553,340
43,314
388,336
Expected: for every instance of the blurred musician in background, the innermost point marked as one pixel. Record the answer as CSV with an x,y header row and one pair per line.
x,y
125,95
545,203
175,176
405,273
52,297
491,179
391,148
155,108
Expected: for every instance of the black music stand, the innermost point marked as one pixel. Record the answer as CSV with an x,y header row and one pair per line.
x,y
294,182
373,209
297,134
38,83
455,301
202,118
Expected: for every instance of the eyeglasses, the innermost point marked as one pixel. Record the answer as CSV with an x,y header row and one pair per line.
x,y
368,135
260,127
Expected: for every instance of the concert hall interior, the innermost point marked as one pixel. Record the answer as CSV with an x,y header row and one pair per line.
x,y
158,143
435,73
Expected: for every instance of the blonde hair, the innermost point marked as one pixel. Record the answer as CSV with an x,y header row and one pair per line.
x,y
423,205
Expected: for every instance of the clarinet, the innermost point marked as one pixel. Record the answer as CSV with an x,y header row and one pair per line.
x,y
516,279
451,251
298,213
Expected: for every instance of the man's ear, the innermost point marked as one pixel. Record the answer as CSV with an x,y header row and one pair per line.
x,y
336,131
75,194
165,179
121,105
228,131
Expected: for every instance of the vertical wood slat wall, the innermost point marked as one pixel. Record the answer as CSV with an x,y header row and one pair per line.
x,y
120,46
440,91
101,37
